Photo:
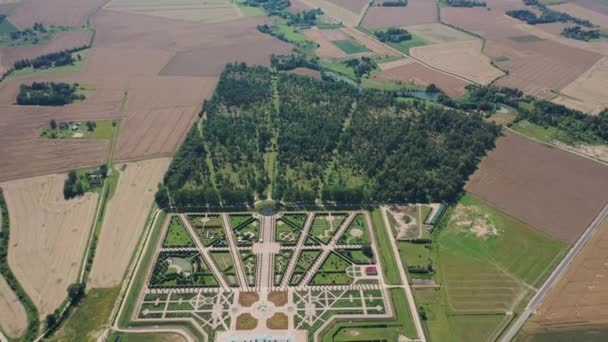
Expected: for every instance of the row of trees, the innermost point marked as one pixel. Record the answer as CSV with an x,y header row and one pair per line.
x,y
393,35
464,3
49,60
578,33
48,94
394,3
548,15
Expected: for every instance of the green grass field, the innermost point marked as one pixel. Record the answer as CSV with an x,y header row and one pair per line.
x,y
405,46
535,131
103,130
144,337
249,11
389,264
88,316
7,27
485,261
177,235
350,46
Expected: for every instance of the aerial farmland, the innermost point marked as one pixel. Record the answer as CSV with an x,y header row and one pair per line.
x,y
304,170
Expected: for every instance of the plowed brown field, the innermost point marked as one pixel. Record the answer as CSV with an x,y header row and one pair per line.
x,y
421,75
326,48
124,220
416,12
355,6
56,12
48,237
553,190
582,293
13,320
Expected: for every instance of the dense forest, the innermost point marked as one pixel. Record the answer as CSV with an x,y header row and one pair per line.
x,y
576,32
304,139
55,59
394,3
48,94
393,35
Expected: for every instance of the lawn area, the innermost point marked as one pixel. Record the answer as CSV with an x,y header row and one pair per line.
x,y
7,27
413,254
350,46
249,11
386,258
405,46
145,337
101,130
280,25
177,236
88,316
29,71
402,310
338,67
535,131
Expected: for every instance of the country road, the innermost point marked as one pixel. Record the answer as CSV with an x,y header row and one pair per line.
x,y
510,333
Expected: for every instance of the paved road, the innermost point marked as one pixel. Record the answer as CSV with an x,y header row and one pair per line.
x,y
555,276
404,280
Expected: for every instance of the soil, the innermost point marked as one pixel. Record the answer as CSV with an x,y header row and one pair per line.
x,y
439,33
326,48
421,75
48,237
355,6
471,220
246,322
57,12
278,298
553,190
124,220
13,319
461,58
581,294
247,299
416,12
278,321
587,93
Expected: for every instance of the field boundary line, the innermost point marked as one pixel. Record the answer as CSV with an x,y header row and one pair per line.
x,y
558,147
555,276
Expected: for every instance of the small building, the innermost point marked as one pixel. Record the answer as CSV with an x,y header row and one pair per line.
x,y
371,271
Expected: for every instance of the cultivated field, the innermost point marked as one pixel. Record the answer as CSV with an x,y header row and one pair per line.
x,y
335,11
395,64
581,295
593,15
48,237
439,33
375,46
355,6
593,5
124,220
57,12
419,74
463,58
211,11
587,93
326,48
416,12
13,320
555,191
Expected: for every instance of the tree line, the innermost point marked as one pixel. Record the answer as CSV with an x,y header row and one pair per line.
x,y
48,94
50,60
547,15
464,3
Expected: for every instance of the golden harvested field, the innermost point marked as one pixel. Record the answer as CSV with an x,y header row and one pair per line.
x,y
419,74
439,33
462,58
326,48
13,320
588,93
48,237
210,11
416,12
581,295
124,219
553,190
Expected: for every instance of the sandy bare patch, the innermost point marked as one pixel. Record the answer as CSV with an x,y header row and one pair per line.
x,y
326,48
473,221
48,237
375,46
462,58
588,93
405,220
439,33
13,319
210,11
124,220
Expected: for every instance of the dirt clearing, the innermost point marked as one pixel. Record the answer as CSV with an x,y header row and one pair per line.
x,y
124,220
48,237
13,319
553,190
462,58
419,74
416,12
